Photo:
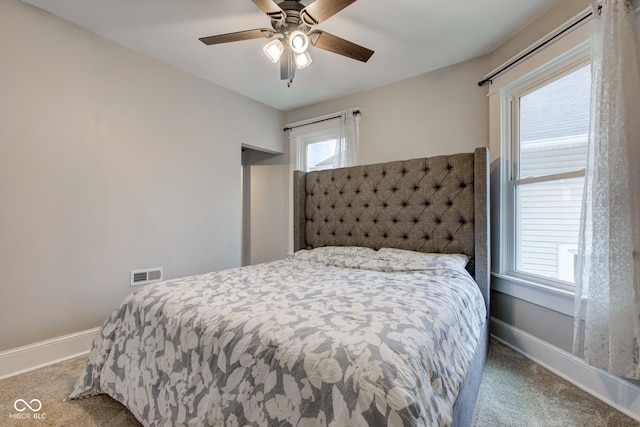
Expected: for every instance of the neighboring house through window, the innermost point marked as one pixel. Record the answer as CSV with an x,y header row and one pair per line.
x,y
318,151
548,157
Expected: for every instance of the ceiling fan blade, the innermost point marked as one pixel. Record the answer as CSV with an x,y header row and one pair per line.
x,y
335,44
237,36
272,10
321,10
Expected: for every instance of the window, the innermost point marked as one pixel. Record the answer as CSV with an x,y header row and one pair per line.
x,y
539,122
548,154
325,142
318,151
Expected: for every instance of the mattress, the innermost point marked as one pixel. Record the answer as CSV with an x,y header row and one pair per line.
x,y
332,336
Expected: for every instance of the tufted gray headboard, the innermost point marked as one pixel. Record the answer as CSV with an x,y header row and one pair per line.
x,y
435,204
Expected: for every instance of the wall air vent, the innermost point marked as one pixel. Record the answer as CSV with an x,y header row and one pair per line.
x,y
143,277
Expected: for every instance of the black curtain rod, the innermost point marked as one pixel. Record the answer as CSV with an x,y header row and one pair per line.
x,y
355,113
535,49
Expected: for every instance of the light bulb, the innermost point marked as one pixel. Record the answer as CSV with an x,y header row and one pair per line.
x,y
298,41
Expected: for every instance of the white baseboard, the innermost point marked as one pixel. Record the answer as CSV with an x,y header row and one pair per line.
x,y
33,356
615,391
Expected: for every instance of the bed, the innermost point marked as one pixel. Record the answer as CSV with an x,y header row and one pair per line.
x,y
379,317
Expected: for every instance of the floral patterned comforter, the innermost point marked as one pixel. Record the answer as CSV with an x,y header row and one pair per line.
x,y
324,337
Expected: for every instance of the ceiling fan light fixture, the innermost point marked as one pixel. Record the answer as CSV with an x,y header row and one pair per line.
x,y
302,60
274,50
298,41
292,33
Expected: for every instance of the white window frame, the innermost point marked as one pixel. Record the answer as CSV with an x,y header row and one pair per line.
x,y
511,145
304,141
559,57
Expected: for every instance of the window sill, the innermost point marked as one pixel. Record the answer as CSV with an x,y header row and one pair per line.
x,y
554,299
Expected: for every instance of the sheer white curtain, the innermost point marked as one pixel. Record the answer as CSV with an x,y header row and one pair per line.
x,y
607,318
346,153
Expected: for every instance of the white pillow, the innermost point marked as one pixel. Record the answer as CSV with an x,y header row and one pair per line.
x,y
430,260
351,251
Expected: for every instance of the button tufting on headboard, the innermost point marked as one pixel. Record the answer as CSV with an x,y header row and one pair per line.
x,y
422,204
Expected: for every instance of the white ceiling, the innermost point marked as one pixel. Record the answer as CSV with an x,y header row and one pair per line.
x,y
409,37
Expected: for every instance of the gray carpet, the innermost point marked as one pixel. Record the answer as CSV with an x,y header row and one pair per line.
x,y
518,392
514,392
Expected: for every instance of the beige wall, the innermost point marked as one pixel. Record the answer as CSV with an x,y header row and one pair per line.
x,y
109,161
537,29
440,112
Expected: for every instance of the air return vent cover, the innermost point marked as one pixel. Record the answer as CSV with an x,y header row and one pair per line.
x,y
148,275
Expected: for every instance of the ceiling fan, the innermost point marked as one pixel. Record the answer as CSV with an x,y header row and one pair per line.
x,y
292,34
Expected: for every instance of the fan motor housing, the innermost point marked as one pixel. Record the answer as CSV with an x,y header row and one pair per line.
x,y
292,9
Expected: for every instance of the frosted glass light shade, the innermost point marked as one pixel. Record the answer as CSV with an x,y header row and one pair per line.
x,y
302,60
274,50
298,41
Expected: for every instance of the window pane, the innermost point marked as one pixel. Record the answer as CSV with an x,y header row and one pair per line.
x,y
547,220
320,154
554,125
553,133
